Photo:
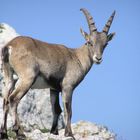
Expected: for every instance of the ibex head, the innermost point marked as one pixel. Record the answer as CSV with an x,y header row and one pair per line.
x,y
97,41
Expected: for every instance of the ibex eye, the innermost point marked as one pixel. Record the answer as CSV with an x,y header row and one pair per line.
x,y
89,43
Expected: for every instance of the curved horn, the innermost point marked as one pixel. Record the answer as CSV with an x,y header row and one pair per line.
x,y
108,24
90,21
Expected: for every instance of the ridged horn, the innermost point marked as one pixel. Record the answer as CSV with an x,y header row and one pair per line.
x,y
90,21
109,22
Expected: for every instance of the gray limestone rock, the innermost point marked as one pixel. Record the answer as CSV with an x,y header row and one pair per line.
x,y
35,114
35,110
82,130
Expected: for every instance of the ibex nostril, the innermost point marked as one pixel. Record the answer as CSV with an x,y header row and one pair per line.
x,y
98,58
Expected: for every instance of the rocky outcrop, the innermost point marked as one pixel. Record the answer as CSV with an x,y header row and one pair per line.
x,y
7,33
36,117
35,110
82,131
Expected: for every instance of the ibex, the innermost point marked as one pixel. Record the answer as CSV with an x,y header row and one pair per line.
x,y
55,66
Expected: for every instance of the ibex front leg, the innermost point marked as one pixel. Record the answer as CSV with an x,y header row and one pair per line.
x,y
67,102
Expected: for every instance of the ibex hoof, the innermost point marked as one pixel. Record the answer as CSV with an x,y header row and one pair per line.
x,y
54,132
21,137
70,135
3,135
19,133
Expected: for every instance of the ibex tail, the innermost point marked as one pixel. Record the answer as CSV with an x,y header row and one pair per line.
x,y
5,54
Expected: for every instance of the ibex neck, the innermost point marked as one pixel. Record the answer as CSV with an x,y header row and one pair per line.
x,y
85,58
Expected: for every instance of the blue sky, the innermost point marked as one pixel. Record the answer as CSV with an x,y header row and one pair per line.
x,y
110,93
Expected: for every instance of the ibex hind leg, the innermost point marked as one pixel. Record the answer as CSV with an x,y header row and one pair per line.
x,y
3,130
22,86
6,90
56,109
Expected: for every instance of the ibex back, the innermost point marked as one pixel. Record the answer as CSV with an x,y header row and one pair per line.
x,y
40,65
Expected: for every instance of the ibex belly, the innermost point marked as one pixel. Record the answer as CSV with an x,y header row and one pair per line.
x,y
40,83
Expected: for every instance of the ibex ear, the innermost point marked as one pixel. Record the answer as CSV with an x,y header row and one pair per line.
x,y
110,36
85,35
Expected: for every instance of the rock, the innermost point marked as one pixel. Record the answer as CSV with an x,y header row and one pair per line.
x,y
82,131
35,110
7,33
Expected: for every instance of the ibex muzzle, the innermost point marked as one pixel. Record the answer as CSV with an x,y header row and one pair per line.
x,y
42,65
